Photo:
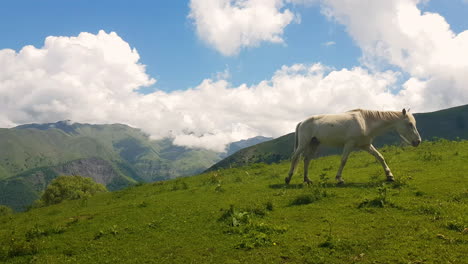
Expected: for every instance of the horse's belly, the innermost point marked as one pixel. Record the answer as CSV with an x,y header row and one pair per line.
x,y
338,136
331,139
332,142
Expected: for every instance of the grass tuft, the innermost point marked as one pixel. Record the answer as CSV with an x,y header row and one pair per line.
x,y
312,195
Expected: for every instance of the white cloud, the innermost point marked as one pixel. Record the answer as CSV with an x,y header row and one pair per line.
x,y
95,79
224,75
67,76
396,32
393,32
229,25
216,113
329,43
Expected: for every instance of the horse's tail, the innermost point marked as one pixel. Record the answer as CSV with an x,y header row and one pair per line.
x,y
296,136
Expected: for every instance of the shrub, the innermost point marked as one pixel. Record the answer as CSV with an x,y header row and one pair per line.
x,y
252,234
5,210
253,240
234,217
380,201
214,179
179,184
310,197
219,188
70,188
456,225
22,248
304,199
429,156
269,206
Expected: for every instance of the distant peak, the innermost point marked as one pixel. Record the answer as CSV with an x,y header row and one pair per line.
x,y
65,125
67,122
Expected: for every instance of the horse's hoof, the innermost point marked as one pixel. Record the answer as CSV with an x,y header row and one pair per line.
x,y
287,180
307,181
339,180
390,179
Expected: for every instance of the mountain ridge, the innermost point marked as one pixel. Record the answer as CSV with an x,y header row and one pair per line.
x,y
130,156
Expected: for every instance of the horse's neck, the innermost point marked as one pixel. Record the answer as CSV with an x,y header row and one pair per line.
x,y
378,127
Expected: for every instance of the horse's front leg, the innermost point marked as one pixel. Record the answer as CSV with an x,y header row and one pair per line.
x,y
372,150
344,158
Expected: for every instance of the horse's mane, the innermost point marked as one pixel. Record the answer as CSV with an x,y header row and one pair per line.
x,y
378,115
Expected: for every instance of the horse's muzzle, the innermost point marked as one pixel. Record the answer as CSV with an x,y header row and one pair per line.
x,y
416,143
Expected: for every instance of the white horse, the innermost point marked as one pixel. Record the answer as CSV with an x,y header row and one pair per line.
x,y
353,129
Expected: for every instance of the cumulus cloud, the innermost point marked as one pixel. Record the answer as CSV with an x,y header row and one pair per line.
x,y
397,32
229,25
393,32
68,77
95,79
218,113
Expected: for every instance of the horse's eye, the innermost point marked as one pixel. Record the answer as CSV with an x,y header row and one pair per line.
x,y
410,124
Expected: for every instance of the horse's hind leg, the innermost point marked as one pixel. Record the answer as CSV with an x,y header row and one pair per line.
x,y
294,161
309,153
344,158
306,169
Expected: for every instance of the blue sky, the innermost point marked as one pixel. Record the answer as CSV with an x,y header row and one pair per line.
x,y
380,54
168,45
166,40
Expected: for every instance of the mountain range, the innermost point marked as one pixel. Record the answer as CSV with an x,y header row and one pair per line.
x,y
115,155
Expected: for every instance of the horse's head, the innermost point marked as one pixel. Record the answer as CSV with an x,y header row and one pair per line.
x,y
406,128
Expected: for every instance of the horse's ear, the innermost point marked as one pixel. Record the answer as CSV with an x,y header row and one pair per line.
x,y
404,111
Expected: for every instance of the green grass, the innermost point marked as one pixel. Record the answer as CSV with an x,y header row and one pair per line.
x,y
248,215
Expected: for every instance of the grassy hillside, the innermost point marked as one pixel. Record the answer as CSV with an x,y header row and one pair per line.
x,y
247,215
449,123
25,149
60,142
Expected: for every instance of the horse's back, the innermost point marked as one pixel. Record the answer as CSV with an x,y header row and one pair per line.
x,y
334,129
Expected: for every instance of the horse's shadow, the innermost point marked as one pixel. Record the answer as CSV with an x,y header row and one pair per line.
x,y
287,186
328,185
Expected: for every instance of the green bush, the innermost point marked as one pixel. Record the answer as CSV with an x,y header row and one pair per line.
x,y
5,210
70,188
